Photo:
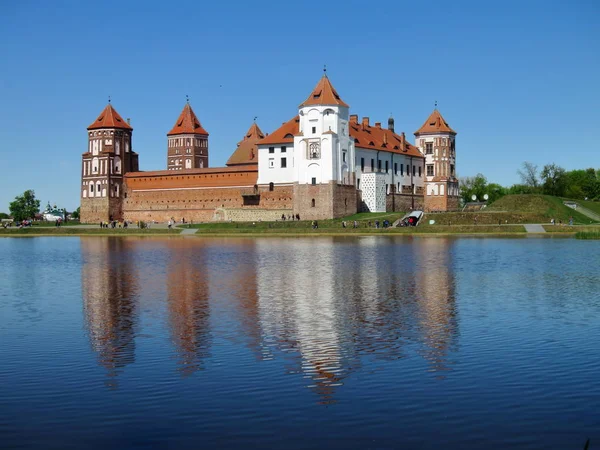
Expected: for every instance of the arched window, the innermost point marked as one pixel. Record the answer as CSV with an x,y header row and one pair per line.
x,y
312,203
271,186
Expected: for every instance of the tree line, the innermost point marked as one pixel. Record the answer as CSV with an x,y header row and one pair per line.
x,y
579,184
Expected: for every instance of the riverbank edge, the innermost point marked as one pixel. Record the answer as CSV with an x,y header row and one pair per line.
x,y
566,234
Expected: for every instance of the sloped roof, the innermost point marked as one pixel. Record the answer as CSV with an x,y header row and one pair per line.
x,y
247,150
376,138
109,118
435,124
284,134
324,94
187,123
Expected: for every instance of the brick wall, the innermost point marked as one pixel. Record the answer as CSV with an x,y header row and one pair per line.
x,y
324,201
101,209
404,202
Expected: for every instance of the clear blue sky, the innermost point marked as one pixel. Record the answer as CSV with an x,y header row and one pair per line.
x,y
518,80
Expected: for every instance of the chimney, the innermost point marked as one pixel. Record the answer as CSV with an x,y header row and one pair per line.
x,y
128,121
365,122
403,141
378,124
391,124
353,118
384,138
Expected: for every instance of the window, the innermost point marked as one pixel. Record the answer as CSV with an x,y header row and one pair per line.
x,y
429,148
314,181
283,149
372,165
271,163
387,166
312,202
314,130
420,174
402,169
451,170
91,188
283,163
362,164
271,149
429,170
343,156
314,150
358,183
414,170
395,168
271,187
379,165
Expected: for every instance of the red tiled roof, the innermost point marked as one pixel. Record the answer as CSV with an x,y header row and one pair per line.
x,y
324,94
187,123
376,138
109,118
284,134
435,124
247,150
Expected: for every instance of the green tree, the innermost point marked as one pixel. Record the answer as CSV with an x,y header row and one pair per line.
x,y
76,213
25,206
554,180
476,186
4,216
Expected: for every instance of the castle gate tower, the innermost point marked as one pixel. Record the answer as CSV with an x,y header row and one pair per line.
x,y
436,140
108,157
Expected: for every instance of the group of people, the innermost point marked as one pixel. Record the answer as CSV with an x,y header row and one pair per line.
x,y
290,217
114,224
384,224
354,224
553,221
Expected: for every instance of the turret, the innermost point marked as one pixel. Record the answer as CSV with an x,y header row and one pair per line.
x,y
187,142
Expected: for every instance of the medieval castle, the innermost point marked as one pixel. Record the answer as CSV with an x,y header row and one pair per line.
x,y
323,163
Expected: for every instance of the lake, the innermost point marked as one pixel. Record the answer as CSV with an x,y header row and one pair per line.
x,y
359,342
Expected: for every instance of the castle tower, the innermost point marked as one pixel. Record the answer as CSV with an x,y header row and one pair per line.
x,y
108,158
324,150
436,140
187,142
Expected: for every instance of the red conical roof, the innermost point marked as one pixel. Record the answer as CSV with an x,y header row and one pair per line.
x,y
247,150
435,124
324,94
109,118
187,123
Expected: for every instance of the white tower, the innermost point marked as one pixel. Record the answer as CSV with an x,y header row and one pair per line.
x,y
323,147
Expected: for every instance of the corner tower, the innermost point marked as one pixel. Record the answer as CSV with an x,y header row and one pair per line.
x,y
108,158
437,141
187,146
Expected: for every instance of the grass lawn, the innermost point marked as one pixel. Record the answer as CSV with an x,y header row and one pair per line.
x,y
592,206
363,220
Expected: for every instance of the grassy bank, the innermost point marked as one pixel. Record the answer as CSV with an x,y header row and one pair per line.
x,y
571,229
592,235
545,207
72,231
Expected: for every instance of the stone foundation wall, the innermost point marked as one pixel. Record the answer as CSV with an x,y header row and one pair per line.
x,y
324,201
252,215
101,209
404,202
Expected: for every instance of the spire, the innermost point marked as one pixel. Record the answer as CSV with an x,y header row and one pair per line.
x,y
187,122
109,118
391,123
435,124
324,93
247,150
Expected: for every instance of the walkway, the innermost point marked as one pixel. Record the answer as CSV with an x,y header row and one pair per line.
x,y
534,228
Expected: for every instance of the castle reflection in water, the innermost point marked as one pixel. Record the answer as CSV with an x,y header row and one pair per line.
x,y
328,306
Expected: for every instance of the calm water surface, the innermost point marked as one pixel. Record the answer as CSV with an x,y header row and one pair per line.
x,y
370,342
